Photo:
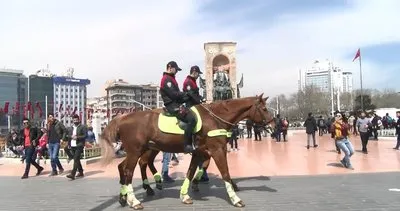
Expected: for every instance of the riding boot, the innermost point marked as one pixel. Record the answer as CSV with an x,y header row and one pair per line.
x,y
188,139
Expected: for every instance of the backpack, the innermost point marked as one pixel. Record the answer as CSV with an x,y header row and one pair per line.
x,y
321,123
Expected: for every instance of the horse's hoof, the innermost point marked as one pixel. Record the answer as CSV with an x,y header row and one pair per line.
x,y
150,192
239,204
188,201
122,200
159,186
138,207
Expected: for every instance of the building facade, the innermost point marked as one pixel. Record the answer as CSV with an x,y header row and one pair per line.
x,y
124,97
97,114
327,77
14,90
41,87
69,98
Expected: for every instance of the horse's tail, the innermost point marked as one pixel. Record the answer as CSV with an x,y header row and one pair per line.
x,y
108,137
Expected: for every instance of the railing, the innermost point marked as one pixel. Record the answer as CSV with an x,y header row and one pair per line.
x,y
88,152
387,132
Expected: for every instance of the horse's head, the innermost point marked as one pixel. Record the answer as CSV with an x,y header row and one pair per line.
x,y
259,113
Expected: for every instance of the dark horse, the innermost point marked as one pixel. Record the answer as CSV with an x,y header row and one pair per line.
x,y
139,132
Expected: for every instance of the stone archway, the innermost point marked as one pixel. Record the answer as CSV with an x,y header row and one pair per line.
x,y
221,63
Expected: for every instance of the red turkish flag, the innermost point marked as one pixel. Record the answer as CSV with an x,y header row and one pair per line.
x,y
358,54
40,109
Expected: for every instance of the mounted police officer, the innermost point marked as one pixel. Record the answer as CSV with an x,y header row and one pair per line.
x,y
173,99
190,87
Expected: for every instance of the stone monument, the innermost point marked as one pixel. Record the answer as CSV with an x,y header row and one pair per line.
x,y
220,71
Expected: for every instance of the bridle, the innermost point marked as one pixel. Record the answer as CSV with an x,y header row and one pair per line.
x,y
259,109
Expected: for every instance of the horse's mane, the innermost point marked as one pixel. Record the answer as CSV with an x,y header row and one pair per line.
x,y
225,103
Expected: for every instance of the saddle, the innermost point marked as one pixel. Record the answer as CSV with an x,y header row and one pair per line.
x,y
168,123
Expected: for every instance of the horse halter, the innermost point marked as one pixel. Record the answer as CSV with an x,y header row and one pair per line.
x,y
259,110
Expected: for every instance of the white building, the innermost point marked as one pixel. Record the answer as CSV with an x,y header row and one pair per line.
x,y
70,98
97,114
326,76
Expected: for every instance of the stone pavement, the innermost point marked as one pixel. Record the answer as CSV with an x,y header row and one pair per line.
x,y
324,184
266,157
320,193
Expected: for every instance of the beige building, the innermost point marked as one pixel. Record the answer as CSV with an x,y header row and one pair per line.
x,y
124,97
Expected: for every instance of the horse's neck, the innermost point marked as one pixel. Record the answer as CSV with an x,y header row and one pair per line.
x,y
232,111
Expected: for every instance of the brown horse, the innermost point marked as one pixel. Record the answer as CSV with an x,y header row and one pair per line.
x,y
140,132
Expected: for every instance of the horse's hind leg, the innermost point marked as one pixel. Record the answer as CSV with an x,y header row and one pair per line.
x,y
219,156
126,188
150,163
121,169
143,167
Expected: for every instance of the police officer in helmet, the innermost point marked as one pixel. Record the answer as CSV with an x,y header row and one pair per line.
x,y
173,99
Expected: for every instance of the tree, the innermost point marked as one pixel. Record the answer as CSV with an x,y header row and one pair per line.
x,y
388,98
346,101
366,101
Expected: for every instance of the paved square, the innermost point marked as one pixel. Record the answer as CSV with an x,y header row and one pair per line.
x,y
321,193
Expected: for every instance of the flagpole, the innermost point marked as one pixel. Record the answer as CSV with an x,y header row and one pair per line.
x,y
361,85
45,102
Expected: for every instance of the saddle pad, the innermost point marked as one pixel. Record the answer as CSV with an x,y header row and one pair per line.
x,y
169,124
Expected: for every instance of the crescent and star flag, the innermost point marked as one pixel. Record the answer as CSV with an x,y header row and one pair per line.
x,y
358,54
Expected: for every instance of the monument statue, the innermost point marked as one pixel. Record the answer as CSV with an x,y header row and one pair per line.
x,y
221,83
220,71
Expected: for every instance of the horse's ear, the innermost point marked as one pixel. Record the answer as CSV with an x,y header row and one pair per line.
x,y
265,99
261,96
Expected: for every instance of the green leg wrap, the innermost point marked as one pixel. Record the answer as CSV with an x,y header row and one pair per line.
x,y
199,174
185,186
124,189
146,182
157,177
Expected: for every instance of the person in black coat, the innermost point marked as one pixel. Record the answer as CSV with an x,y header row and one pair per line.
x,y
311,126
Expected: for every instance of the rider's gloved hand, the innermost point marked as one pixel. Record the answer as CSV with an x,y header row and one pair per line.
x,y
185,97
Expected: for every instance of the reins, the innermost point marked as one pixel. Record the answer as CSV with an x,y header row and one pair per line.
x,y
223,120
216,116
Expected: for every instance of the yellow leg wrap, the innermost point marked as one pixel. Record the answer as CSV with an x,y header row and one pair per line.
x,y
131,198
231,193
157,177
184,189
199,173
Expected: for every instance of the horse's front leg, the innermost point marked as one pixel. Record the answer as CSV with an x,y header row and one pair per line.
x,y
202,168
184,193
219,156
